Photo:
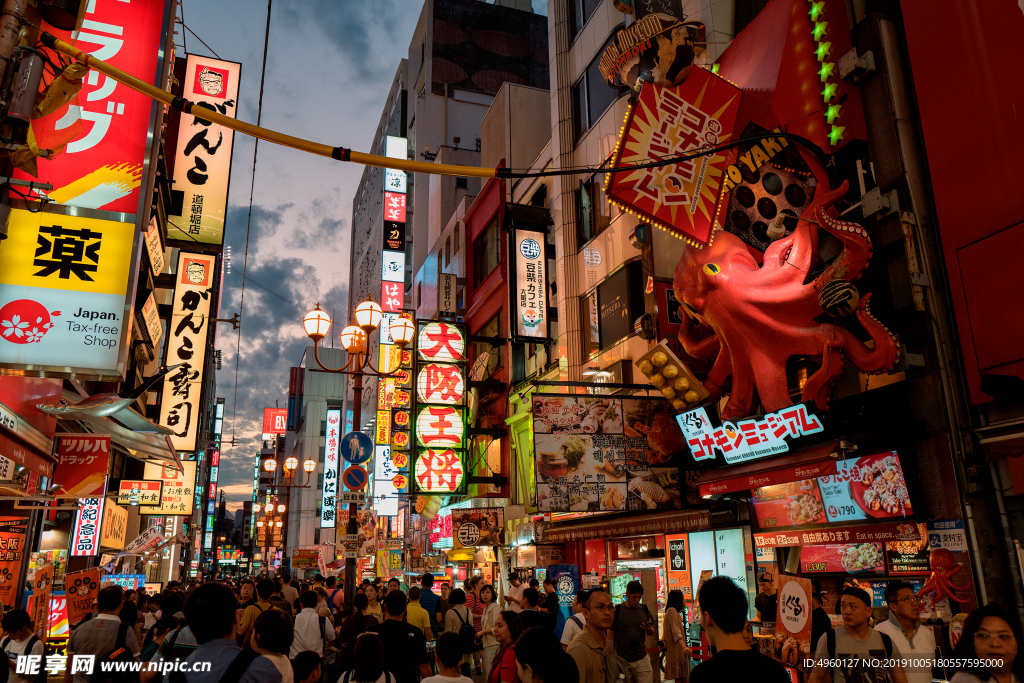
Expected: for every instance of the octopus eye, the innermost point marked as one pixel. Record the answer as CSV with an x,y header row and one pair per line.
x,y
712,269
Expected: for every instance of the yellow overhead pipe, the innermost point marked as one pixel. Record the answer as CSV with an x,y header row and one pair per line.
x,y
339,153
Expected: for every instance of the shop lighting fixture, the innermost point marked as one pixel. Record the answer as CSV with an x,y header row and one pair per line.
x,y
316,323
833,112
291,463
820,29
817,8
309,465
823,51
281,509
270,464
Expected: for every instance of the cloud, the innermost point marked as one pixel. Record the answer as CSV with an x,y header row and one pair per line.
x,y
320,228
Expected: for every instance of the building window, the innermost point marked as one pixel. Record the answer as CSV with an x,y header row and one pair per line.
x,y
447,252
491,329
540,197
592,95
593,213
580,12
486,252
591,328
461,183
456,237
419,294
316,535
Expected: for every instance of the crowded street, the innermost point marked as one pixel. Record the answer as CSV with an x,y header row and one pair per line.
x,y
511,341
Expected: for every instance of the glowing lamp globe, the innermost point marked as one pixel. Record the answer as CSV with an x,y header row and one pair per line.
x,y
369,315
255,508
309,465
270,464
259,523
291,463
317,324
280,508
279,524
402,331
353,339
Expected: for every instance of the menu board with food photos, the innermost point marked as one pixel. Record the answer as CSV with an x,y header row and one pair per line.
x,y
606,453
843,558
872,487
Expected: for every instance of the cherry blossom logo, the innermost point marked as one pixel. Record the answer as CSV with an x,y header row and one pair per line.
x,y
25,321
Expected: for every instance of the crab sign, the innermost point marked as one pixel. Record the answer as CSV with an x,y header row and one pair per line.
x,y
761,315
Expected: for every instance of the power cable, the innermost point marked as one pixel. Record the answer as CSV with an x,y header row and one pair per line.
x,y
248,222
182,22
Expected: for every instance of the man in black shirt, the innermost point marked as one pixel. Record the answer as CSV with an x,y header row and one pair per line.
x,y
549,608
723,607
405,648
531,616
820,622
767,600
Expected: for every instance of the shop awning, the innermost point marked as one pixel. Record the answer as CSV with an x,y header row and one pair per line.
x,y
816,461
662,523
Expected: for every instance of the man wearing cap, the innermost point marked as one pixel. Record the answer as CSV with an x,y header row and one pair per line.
x,y
767,600
514,596
904,627
854,652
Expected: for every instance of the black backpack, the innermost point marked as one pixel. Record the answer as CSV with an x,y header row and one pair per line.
x,y
40,677
467,633
117,662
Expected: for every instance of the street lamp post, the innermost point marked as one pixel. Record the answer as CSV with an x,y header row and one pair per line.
x,y
355,341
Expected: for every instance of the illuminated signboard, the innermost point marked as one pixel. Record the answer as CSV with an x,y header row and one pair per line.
x,y
63,287
393,267
208,541
330,490
529,290
440,383
440,427
392,294
202,164
439,471
85,541
394,207
139,492
178,494
275,420
749,439
188,327
441,342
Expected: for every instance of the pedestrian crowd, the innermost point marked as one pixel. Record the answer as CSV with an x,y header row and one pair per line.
x,y
271,631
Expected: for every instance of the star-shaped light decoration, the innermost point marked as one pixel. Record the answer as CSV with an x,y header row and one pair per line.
x,y
836,135
833,112
820,29
829,92
823,51
826,70
817,9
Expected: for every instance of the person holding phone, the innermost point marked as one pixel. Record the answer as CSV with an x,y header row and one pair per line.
x,y
631,625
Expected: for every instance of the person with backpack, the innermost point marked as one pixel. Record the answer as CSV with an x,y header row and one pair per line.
x,y
21,641
593,649
104,637
312,631
210,611
577,622
405,648
507,629
631,625
854,652
459,620
333,603
264,589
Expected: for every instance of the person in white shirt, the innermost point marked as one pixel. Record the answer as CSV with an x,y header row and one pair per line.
x,y
514,597
915,642
449,656
20,641
577,622
312,631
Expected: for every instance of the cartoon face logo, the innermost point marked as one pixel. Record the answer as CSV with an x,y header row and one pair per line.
x,y
195,271
531,317
24,321
211,82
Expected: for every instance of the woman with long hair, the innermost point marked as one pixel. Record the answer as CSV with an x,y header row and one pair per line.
x,y
540,658
369,662
352,627
373,607
507,629
486,635
989,649
676,652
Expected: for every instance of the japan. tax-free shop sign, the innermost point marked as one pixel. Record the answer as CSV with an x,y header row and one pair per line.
x,y
101,168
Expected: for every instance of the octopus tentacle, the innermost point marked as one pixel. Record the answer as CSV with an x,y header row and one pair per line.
x,y
818,387
857,248
887,348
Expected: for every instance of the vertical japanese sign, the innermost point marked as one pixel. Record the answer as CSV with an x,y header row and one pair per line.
x,y
393,256
85,540
530,289
178,494
330,492
439,452
101,167
446,285
42,587
179,404
63,287
202,166
12,545
82,461
794,618
155,247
